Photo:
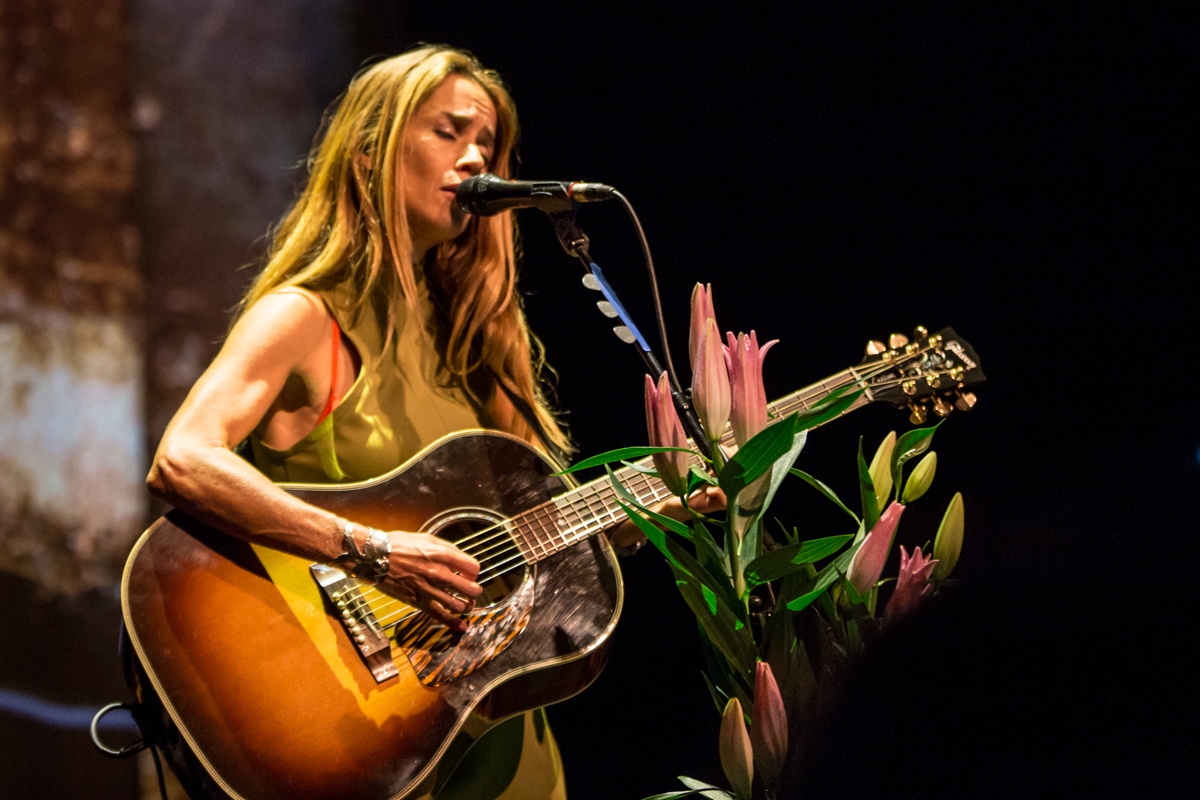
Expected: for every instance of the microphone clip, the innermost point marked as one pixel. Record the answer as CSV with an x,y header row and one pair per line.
x,y
570,235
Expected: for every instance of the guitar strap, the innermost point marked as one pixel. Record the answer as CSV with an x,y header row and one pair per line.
x,y
557,455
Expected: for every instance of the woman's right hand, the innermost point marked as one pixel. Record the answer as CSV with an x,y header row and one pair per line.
x,y
432,575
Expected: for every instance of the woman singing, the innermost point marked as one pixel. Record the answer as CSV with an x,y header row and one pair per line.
x,y
383,320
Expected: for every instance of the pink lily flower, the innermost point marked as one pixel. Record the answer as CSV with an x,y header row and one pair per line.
x,y
710,382
702,312
735,751
748,398
665,430
911,585
867,564
769,729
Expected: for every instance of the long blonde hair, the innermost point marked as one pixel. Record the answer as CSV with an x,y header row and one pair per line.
x,y
349,229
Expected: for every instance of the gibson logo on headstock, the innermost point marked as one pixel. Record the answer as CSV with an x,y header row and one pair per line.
x,y
957,349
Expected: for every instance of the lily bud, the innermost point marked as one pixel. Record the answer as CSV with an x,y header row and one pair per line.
x,y
665,430
710,382
881,469
748,398
867,564
769,729
921,478
736,757
948,544
911,585
702,312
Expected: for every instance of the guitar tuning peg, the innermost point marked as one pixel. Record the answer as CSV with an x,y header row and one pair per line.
x,y
941,407
606,308
897,340
965,401
917,415
875,347
920,332
589,280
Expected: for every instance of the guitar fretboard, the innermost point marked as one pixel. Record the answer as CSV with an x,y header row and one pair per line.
x,y
585,511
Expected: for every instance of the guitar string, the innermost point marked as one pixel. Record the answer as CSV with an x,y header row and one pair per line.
x,y
494,561
507,556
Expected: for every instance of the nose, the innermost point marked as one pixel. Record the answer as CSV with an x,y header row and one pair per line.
x,y
472,160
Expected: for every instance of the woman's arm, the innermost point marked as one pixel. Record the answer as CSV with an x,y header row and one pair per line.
x,y
196,470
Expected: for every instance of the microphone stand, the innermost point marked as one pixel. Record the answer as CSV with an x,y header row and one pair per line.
x,y
576,242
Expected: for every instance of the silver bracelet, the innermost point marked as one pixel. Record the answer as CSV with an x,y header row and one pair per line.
x,y
376,551
350,549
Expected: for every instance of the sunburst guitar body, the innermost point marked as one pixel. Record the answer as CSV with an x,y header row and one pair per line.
x,y
266,687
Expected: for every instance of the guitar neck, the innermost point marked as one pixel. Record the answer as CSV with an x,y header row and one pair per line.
x,y
585,511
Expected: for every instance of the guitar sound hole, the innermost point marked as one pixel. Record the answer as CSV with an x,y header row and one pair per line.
x,y
501,568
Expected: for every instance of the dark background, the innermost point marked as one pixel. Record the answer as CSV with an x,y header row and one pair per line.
x,y
837,173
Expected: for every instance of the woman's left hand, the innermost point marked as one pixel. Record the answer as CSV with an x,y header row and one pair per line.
x,y
708,500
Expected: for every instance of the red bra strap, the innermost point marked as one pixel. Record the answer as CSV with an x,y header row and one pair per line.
x,y
337,336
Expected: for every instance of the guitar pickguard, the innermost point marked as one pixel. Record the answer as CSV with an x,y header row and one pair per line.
x,y
439,656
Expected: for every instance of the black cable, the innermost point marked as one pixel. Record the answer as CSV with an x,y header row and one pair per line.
x,y
162,784
658,313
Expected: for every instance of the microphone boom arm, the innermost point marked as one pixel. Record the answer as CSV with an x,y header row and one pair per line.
x,y
575,242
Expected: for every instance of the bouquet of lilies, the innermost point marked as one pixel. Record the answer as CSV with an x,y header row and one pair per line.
x,y
779,618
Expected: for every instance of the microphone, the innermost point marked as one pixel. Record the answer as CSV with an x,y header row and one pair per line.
x,y
487,194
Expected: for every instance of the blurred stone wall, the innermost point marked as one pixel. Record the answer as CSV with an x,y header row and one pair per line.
x,y
227,98
71,412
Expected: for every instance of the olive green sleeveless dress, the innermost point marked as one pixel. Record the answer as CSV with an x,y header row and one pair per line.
x,y
402,401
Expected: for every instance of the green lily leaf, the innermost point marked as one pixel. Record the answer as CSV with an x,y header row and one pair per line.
x,y
753,501
702,476
825,490
728,634
751,544
676,555
652,532
706,789
621,454
672,525
719,697
674,795
911,444
696,787
751,461
827,408
708,552
791,558
710,597
789,663
804,601
633,465
729,682
833,572
852,594
866,491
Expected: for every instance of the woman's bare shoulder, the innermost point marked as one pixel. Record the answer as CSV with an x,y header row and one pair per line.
x,y
289,321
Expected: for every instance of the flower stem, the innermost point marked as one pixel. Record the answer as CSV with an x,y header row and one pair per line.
x,y
718,456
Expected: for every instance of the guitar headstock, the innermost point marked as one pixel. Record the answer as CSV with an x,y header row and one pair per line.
x,y
930,373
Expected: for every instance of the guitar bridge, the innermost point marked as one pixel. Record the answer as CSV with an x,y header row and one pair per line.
x,y
345,594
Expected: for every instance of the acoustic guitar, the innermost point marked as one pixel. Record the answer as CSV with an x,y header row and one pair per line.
x,y
264,676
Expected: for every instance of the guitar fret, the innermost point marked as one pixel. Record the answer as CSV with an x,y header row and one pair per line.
x,y
532,539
